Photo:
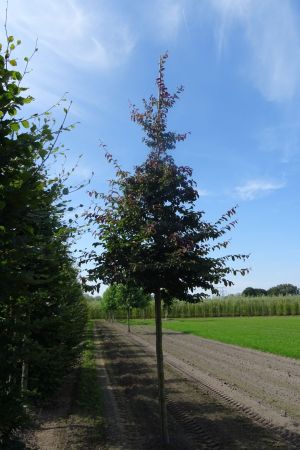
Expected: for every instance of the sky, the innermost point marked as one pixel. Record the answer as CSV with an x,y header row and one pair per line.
x,y
239,62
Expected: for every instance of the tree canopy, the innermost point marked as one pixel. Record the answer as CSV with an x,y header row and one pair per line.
x,y
149,230
284,289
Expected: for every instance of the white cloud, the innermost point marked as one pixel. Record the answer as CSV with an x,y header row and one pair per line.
x,y
169,17
90,36
256,188
203,192
75,40
272,35
230,12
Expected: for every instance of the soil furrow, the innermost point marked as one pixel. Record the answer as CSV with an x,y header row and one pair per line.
x,y
200,416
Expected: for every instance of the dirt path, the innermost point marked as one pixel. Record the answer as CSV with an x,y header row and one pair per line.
x,y
212,398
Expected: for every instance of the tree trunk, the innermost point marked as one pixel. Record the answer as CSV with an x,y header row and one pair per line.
x,y
128,320
24,376
160,373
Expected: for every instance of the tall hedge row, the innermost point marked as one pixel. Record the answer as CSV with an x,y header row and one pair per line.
x,y
42,312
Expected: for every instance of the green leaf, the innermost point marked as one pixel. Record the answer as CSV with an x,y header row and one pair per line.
x,y
10,39
28,99
13,62
12,112
25,123
19,41
65,191
26,59
1,114
42,153
2,204
14,126
17,76
12,46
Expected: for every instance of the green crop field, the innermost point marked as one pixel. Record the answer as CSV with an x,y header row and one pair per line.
x,y
279,335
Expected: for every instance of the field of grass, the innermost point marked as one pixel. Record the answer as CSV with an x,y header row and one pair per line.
x,y
279,335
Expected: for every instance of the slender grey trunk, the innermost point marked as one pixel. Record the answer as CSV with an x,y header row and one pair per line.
x,y
24,376
128,320
160,373
24,372
166,312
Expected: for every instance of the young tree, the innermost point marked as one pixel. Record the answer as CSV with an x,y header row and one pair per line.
x,y
129,297
150,232
110,301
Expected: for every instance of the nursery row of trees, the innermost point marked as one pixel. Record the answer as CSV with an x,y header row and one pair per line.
x,y
119,297
42,312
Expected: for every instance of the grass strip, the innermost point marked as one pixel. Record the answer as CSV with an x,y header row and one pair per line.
x,y
279,334
88,399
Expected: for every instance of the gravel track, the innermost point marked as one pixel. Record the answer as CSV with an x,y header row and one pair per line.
x,y
212,401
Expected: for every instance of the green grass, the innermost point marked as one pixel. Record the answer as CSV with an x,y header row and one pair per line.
x,y
88,399
279,335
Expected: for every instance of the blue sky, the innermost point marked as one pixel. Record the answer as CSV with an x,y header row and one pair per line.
x,y
239,61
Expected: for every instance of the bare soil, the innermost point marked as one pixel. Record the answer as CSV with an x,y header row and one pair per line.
x,y
267,383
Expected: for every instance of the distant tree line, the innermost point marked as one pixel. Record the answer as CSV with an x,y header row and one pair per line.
x,y
42,311
279,290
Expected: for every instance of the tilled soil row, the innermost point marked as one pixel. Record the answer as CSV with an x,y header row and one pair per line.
x,y
198,417
132,380
289,436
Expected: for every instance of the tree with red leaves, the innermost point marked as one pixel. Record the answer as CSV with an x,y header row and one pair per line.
x,y
150,233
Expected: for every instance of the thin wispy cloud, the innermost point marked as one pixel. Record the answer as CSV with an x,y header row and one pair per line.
x,y
74,40
256,188
73,32
203,192
282,140
230,12
168,17
271,32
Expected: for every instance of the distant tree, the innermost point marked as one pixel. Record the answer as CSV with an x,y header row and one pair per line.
x,y
129,297
249,292
254,292
151,236
260,292
284,289
110,301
